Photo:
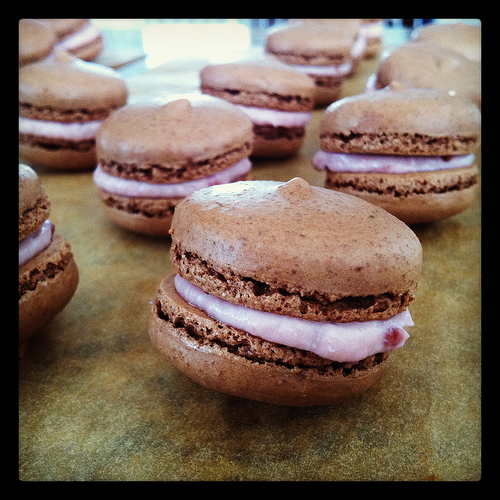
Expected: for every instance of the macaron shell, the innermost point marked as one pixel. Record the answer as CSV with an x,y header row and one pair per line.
x,y
62,158
427,65
267,83
406,121
47,296
36,40
327,242
227,371
135,134
412,198
68,83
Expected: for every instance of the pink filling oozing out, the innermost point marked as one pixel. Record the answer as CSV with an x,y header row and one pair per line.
x,y
342,342
276,117
392,164
36,242
126,187
76,131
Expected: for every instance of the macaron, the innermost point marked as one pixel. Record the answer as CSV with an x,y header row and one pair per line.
x,y
278,100
36,40
326,55
151,155
463,38
62,102
410,151
48,274
285,293
429,65
79,37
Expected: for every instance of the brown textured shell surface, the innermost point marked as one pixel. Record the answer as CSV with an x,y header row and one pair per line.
x,y
310,238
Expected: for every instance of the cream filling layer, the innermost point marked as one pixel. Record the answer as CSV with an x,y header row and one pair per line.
x,y
126,187
342,342
392,164
86,35
76,131
36,242
331,70
276,117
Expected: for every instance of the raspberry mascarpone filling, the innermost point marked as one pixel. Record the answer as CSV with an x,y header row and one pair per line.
x,y
126,187
86,35
75,131
331,70
391,164
276,117
36,242
341,342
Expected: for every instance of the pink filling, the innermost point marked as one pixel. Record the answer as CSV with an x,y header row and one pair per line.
x,y
342,342
36,242
332,70
86,35
392,164
276,117
127,187
65,130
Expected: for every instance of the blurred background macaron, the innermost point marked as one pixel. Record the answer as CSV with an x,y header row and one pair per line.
x,y
36,40
80,37
321,53
62,102
422,64
152,155
373,32
410,151
48,274
461,37
276,98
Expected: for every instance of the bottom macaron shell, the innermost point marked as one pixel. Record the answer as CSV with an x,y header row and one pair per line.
x,y
47,283
326,90
232,367
149,216
413,198
59,158
272,141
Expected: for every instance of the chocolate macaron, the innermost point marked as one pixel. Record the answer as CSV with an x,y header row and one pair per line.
x,y
48,274
326,55
285,293
151,155
62,102
410,151
277,99
428,65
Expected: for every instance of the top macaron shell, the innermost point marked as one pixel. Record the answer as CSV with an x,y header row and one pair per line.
x,y
422,64
36,40
312,45
174,134
327,242
260,83
65,82
409,112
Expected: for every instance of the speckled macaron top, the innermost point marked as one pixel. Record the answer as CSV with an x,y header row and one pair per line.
x,y
34,205
310,45
303,241
463,38
175,139
428,65
408,121
261,83
64,82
